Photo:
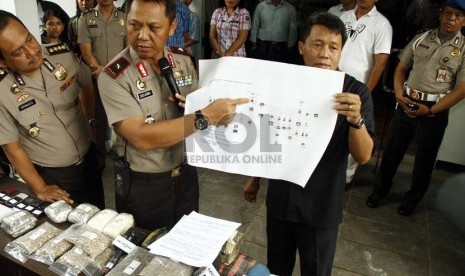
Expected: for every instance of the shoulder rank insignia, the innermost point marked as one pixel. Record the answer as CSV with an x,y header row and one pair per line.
x,y
117,67
58,49
85,12
3,74
179,50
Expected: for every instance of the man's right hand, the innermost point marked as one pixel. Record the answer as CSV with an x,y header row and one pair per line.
x,y
403,101
222,111
52,193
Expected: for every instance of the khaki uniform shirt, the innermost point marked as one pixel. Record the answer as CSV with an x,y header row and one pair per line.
x,y
107,38
436,67
130,88
44,112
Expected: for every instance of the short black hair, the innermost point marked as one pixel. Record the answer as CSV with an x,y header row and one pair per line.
x,y
5,18
326,19
170,5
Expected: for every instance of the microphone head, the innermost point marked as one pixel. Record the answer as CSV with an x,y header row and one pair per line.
x,y
164,65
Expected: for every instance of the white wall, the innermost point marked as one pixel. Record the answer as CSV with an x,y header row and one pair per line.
x,y
27,15
8,5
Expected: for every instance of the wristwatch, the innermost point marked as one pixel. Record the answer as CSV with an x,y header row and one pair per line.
x,y
200,122
92,122
359,124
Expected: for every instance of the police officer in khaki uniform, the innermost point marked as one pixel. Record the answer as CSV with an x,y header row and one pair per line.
x,y
101,36
436,83
150,129
43,129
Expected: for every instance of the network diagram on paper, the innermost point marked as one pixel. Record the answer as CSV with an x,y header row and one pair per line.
x,y
288,122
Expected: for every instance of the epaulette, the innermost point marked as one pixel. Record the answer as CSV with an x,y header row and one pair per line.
x,y
85,12
117,67
56,49
179,50
3,74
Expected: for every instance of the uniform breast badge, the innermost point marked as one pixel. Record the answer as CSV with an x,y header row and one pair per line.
x,y
15,89
140,85
22,97
34,131
61,72
455,52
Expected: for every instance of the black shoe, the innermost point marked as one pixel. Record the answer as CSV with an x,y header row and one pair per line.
x,y
373,200
406,208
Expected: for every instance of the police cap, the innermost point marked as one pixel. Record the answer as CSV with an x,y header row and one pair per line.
x,y
456,4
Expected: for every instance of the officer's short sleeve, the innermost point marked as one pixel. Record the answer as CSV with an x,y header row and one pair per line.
x,y
8,129
83,30
460,77
117,99
406,55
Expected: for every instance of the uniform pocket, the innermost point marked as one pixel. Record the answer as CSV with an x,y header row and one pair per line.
x,y
29,113
121,31
95,32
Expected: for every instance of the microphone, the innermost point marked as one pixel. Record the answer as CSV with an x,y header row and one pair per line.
x,y
167,74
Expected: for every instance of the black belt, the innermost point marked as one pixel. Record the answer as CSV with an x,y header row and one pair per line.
x,y
272,42
174,173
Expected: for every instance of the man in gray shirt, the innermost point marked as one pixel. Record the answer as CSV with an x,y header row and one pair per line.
x,y
274,30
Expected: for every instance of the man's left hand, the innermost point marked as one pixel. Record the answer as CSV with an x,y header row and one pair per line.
x,y
349,105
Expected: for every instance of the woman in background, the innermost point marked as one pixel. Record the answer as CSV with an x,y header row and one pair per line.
x,y
81,6
54,24
229,28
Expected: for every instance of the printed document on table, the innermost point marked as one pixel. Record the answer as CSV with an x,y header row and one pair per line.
x,y
195,240
281,133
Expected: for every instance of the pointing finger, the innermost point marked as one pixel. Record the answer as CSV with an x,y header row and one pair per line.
x,y
240,101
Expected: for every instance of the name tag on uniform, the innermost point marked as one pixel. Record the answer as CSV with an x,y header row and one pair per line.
x,y
26,105
144,95
441,76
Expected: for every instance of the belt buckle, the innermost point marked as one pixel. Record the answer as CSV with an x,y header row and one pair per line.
x,y
79,162
176,172
415,94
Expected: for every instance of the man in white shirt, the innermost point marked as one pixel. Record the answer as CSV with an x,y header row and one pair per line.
x,y
367,50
